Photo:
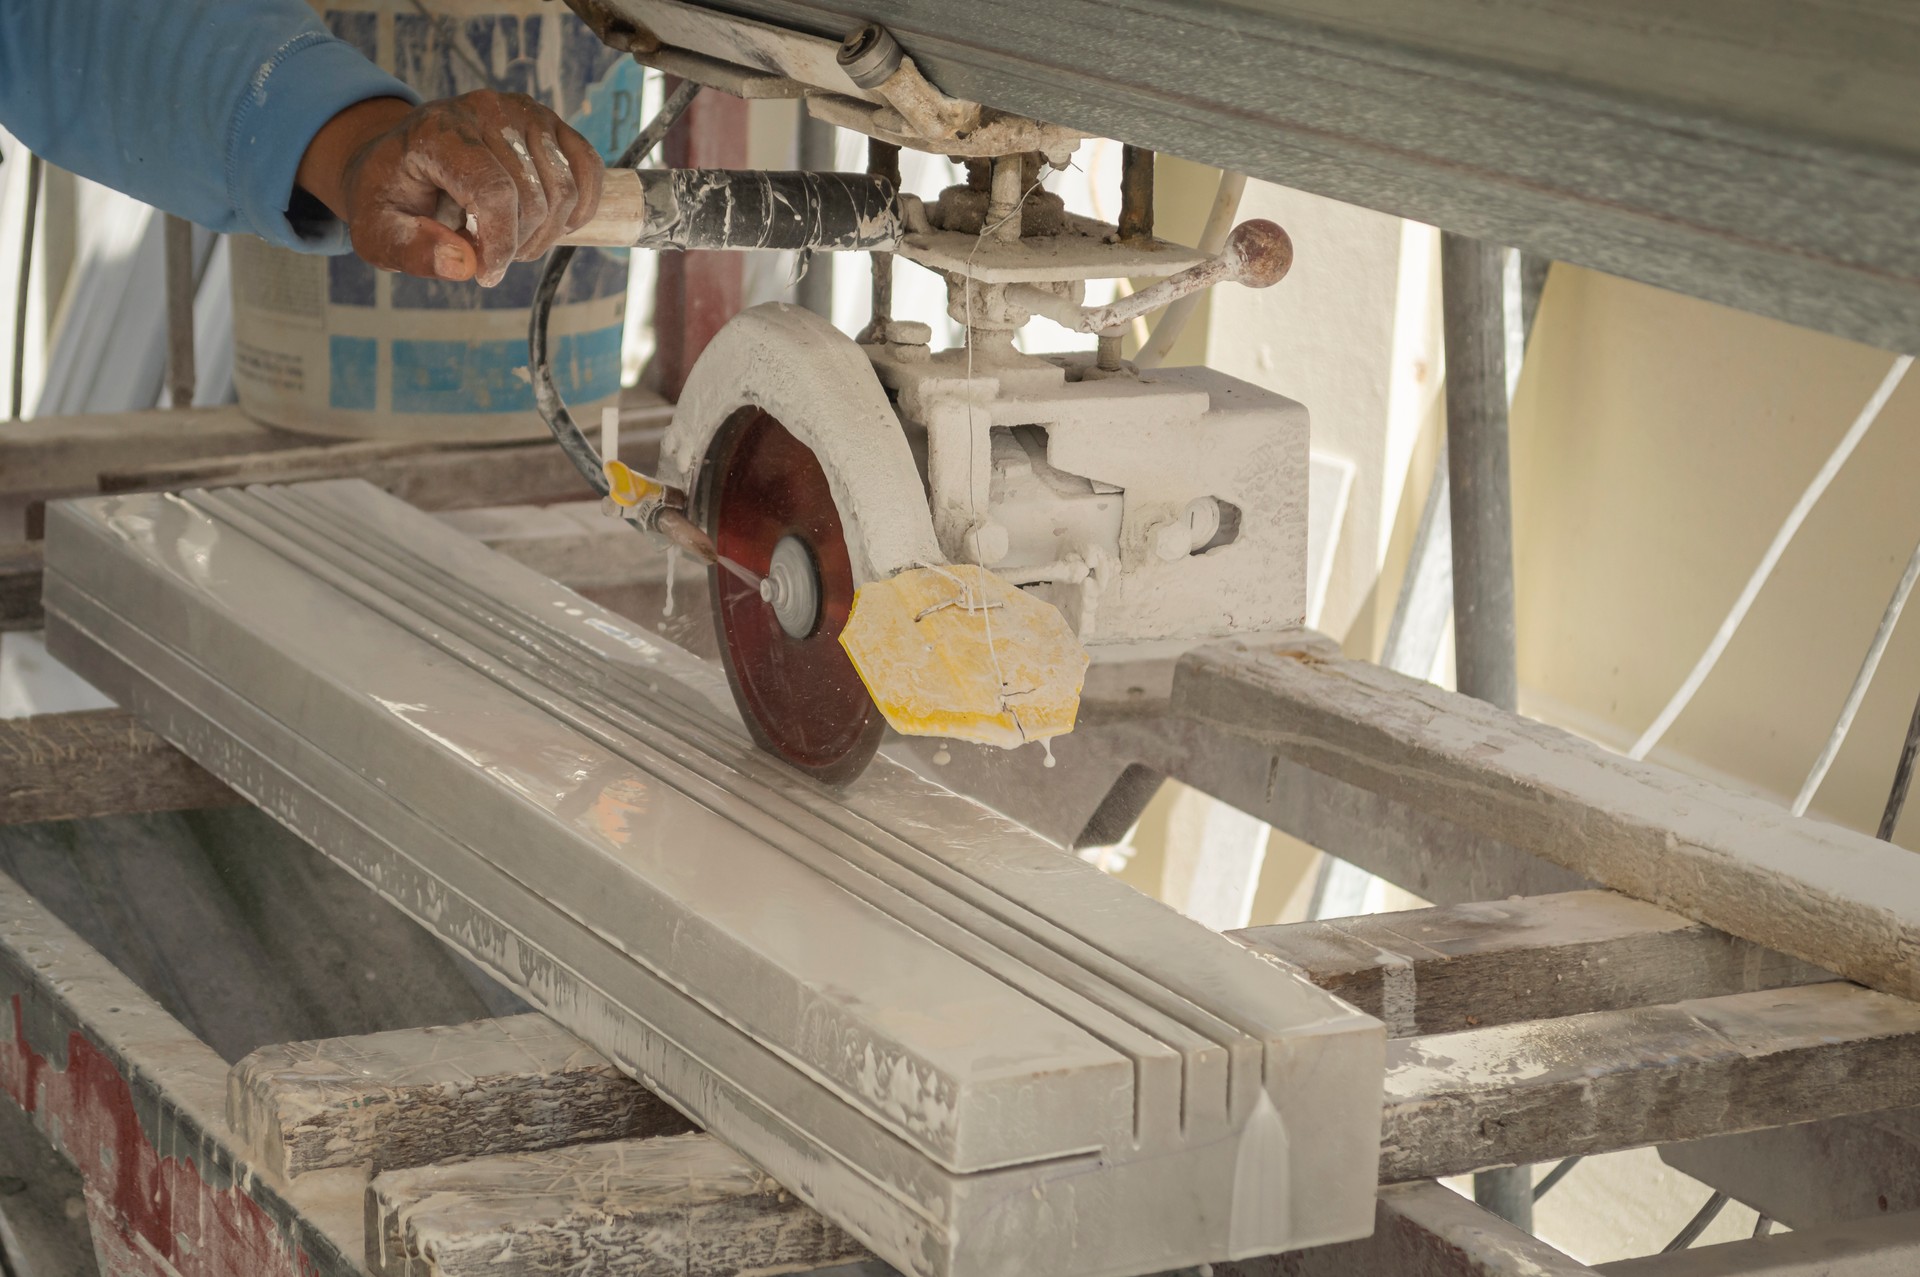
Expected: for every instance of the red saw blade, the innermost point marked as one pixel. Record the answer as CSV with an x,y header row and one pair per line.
x,y
801,696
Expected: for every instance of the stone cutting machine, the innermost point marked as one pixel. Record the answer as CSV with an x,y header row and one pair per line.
x,y
941,539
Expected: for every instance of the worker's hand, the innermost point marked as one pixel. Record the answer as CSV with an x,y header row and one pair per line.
x,y
510,169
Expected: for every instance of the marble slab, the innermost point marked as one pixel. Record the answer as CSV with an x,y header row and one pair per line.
x,y
960,1043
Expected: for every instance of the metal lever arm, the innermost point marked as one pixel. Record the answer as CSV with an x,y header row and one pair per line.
x,y
1258,254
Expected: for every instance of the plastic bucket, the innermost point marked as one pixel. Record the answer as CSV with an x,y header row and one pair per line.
x,y
330,346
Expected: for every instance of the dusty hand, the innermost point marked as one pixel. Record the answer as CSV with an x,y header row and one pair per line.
x,y
521,175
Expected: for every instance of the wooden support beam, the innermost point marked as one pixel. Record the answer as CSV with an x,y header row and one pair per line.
x,y
1816,1173
61,456
428,475
97,763
134,1102
1422,1230
1871,1248
1537,958
1839,899
413,1097
1523,1093
680,1206
20,586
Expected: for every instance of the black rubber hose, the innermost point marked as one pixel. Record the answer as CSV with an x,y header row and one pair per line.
x,y
546,395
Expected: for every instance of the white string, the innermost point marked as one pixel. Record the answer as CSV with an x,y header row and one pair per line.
x,y
973,512
1795,517
968,604
1858,691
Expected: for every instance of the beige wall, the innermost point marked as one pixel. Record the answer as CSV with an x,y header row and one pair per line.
x,y
1352,333
1658,442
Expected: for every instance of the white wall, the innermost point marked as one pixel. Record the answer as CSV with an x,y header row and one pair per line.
x,y
1353,333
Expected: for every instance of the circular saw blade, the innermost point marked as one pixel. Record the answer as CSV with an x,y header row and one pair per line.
x,y
801,696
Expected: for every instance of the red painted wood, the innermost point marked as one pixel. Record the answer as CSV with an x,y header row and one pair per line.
x,y
152,1215
696,293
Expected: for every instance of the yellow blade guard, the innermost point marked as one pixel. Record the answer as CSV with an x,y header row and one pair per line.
x,y
955,651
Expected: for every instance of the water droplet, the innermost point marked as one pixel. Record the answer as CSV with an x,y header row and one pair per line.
x,y
941,757
1046,746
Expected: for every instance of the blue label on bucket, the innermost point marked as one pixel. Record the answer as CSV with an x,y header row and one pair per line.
x,y
608,111
595,88
352,367
486,376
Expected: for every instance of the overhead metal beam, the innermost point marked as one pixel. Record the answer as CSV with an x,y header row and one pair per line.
x,y
1764,156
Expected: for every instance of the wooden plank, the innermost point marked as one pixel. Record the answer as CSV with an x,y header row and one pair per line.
x,y
1422,1230
1523,1093
134,1102
1495,962
20,586
413,1097
429,476
56,456
680,1206
1839,899
317,460
1871,1248
1816,1173
96,763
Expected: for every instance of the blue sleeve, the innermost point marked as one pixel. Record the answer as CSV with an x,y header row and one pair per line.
x,y
200,107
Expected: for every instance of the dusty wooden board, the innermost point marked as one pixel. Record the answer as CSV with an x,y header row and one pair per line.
x,y
20,586
1110,766
50,456
414,1097
96,763
134,1102
432,477
1816,1173
1538,958
1870,1248
1836,898
1422,1230
678,1206
1523,1093
326,457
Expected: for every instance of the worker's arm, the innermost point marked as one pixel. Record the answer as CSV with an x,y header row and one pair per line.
x,y
246,115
